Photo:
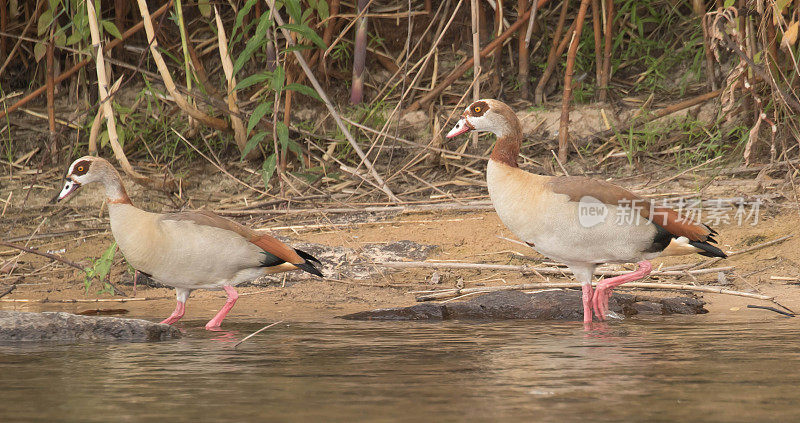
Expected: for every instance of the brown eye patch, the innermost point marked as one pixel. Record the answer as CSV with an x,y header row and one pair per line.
x,y
81,168
478,108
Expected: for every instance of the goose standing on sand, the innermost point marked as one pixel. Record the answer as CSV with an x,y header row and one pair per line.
x,y
578,221
186,250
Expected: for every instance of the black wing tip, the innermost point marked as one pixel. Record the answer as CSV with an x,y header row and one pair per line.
x,y
270,260
309,267
306,256
708,250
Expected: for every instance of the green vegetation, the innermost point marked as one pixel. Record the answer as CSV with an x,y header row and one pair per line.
x,y
100,269
658,49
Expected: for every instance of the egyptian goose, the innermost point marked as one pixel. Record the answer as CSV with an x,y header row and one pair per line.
x,y
578,221
186,250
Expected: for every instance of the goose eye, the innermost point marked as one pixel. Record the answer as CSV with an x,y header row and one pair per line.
x,y
476,109
80,168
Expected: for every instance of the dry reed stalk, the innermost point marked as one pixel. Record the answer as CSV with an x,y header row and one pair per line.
x,y
51,93
19,39
747,26
275,148
256,333
642,285
597,26
121,8
699,8
315,83
531,23
71,71
554,53
789,98
287,114
522,49
3,25
566,98
415,144
498,54
166,77
333,6
403,67
608,33
419,156
771,43
476,58
239,132
94,131
463,67
108,111
422,63
550,67
359,55
193,127
200,71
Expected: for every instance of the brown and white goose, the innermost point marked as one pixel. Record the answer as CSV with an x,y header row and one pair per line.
x,y
578,221
186,250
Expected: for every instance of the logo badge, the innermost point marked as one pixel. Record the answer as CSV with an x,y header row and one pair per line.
x,y
591,211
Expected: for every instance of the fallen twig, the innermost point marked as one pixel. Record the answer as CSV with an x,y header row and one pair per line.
x,y
542,270
785,313
257,332
78,300
422,208
43,254
746,250
662,112
8,290
545,285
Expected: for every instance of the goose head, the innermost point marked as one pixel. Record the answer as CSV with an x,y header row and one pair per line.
x,y
487,116
83,171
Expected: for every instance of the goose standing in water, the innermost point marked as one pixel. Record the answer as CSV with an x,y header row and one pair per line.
x,y
574,219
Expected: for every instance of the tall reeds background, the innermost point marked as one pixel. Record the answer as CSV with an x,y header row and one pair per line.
x,y
315,96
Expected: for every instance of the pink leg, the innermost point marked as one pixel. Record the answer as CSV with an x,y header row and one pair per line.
x,y
587,303
605,288
176,315
217,320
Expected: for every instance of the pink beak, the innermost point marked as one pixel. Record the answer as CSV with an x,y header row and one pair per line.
x,y
461,127
69,187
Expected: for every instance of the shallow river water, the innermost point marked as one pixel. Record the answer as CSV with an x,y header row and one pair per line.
x,y
669,370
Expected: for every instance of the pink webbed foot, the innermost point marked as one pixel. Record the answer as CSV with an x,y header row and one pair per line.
x,y
605,288
214,324
176,315
600,300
